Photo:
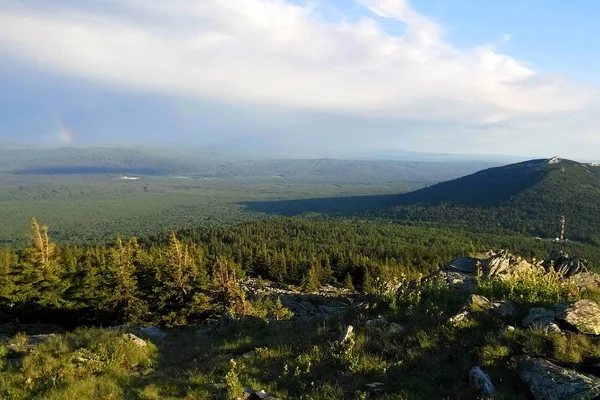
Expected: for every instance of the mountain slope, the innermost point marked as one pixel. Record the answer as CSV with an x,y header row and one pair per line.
x,y
528,197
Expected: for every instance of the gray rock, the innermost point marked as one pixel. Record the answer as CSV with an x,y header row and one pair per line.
x,y
480,302
505,308
548,381
481,382
375,386
459,280
251,394
136,340
460,318
538,316
395,328
583,315
153,332
465,265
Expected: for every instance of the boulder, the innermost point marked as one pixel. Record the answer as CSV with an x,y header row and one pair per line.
x,y
538,316
136,340
505,308
251,394
462,317
565,265
548,381
481,382
479,302
153,332
583,315
465,265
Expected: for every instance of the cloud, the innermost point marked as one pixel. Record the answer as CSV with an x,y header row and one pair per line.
x,y
276,53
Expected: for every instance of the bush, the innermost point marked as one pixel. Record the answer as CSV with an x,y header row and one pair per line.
x,y
531,288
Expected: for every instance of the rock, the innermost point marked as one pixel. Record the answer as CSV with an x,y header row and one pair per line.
x,y
583,315
32,341
395,328
538,316
507,329
496,264
505,308
347,334
153,332
585,280
136,340
458,280
481,382
565,265
479,302
257,395
375,386
379,322
4,338
548,381
15,362
460,318
466,265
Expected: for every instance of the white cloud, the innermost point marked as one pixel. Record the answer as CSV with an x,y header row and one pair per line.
x,y
273,52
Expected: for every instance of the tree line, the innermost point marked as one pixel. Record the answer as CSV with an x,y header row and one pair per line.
x,y
183,277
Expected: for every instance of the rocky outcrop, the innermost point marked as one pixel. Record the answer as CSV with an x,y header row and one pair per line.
x,y
583,315
548,381
328,301
480,303
539,316
565,265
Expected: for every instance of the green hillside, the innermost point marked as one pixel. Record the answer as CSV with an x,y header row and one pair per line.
x,y
528,197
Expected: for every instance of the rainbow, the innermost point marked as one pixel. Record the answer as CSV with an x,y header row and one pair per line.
x,y
65,135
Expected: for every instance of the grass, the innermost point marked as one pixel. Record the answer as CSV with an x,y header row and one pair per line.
x,y
428,358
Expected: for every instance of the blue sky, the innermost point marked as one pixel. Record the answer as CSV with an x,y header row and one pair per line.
x,y
513,77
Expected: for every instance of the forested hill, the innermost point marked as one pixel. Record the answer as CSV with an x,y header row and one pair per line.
x,y
527,197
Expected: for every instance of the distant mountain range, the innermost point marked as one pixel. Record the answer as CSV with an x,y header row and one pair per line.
x,y
211,163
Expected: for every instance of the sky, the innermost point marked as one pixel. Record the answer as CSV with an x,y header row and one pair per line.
x,y
463,76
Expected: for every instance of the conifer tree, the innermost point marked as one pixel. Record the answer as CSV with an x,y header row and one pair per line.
x,y
230,294
41,270
123,283
348,282
311,282
7,265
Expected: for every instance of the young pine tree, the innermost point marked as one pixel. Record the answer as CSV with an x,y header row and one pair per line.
x,y
122,282
229,293
311,282
41,271
347,284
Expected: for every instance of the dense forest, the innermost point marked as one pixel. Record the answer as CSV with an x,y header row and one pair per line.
x,y
184,277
